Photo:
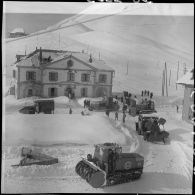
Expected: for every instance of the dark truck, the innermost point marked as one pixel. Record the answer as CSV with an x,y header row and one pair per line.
x,y
45,106
102,105
135,109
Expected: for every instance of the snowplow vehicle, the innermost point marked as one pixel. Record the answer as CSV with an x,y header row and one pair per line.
x,y
109,166
154,133
102,105
136,108
142,121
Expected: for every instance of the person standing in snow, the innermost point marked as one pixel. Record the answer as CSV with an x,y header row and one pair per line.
x,y
177,108
70,111
124,116
116,116
107,113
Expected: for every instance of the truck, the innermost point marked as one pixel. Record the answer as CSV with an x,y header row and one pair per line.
x,y
45,106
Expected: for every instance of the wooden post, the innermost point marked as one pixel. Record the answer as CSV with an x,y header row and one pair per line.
x,y
163,81
177,73
166,79
170,78
59,40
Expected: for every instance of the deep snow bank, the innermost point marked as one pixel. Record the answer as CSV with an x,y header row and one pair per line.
x,y
51,129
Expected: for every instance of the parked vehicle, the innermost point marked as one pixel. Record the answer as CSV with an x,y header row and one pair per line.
x,y
103,105
134,108
142,121
45,106
109,166
154,133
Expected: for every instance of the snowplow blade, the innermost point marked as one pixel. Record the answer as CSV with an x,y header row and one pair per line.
x,y
91,173
33,157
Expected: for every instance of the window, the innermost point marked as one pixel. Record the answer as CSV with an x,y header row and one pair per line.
x,y
85,77
53,76
102,78
70,76
30,76
14,74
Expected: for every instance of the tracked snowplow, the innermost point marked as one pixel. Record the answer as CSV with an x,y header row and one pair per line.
x,y
109,166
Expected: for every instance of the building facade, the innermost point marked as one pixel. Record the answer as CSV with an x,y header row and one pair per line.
x,y
51,73
188,102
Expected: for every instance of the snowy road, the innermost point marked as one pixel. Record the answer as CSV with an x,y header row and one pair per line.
x,y
167,168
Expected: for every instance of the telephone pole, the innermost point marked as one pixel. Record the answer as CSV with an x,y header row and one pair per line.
x,y
170,78
177,73
166,79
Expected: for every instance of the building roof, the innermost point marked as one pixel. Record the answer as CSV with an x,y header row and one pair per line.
x,y
33,59
97,64
187,79
16,30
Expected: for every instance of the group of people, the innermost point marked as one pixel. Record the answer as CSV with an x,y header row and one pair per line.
x,y
147,93
86,103
116,115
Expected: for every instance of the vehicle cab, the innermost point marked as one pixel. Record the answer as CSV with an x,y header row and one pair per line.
x,y
142,119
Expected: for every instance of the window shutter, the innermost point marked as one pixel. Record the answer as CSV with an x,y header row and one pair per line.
x,y
34,75
73,76
27,76
56,76
49,76
88,77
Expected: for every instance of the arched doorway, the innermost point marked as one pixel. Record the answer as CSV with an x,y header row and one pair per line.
x,y
69,92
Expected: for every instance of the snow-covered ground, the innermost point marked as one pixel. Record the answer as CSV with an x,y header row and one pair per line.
x,y
167,168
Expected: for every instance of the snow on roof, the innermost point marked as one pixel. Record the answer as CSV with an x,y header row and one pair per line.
x,y
150,115
98,64
187,79
16,30
33,58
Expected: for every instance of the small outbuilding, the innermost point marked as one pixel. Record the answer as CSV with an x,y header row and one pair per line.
x,y
17,32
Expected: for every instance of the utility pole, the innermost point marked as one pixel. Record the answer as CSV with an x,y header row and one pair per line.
x,y
177,73
59,40
163,82
170,78
166,79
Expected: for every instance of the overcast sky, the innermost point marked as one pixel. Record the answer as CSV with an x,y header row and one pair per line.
x,y
76,7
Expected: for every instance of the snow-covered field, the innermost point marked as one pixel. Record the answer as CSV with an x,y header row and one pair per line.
x,y
167,168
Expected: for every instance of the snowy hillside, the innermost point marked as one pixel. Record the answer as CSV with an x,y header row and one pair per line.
x,y
121,37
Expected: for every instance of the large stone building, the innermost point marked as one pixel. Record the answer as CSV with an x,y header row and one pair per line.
x,y
188,103
51,73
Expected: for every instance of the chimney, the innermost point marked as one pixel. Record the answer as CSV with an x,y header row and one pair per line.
x,y
40,55
90,59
